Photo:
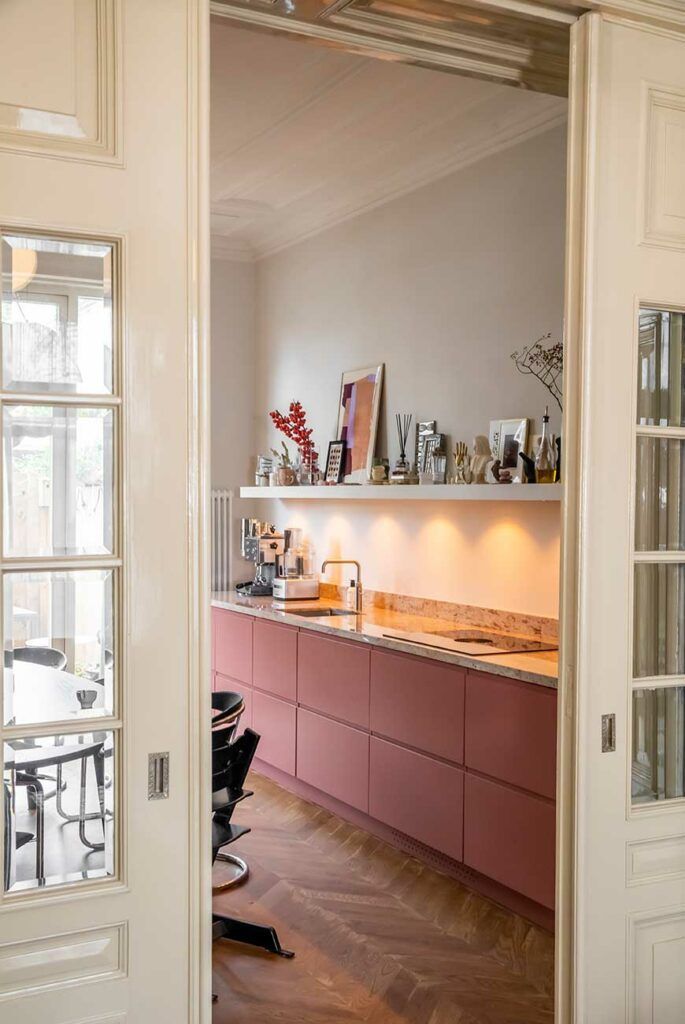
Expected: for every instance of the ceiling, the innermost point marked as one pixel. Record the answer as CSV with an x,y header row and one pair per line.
x,y
304,136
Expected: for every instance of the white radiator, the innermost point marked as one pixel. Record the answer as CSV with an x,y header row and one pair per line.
x,y
222,517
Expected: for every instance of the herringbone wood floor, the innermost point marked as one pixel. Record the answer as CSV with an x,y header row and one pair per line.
x,y
378,936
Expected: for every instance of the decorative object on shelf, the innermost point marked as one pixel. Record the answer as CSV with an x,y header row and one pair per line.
x,y
546,362
557,444
462,466
285,471
433,444
264,470
379,471
335,462
528,468
481,460
439,466
401,473
424,429
497,475
358,409
545,457
512,438
295,428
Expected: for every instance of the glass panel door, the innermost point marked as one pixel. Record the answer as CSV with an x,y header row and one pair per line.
x,y
658,703
60,561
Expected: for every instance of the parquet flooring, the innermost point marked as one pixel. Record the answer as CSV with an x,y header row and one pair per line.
x,y
378,936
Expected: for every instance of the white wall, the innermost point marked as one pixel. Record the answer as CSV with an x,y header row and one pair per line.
x,y
233,369
441,285
233,372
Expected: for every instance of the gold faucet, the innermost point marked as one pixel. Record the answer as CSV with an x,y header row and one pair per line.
x,y
358,585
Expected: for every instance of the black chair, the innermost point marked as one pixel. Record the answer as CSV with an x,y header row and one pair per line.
x,y
49,657
20,839
231,760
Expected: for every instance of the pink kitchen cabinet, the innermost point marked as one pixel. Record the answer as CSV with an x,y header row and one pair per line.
x,y
418,702
511,731
418,796
334,758
333,677
510,836
275,659
275,721
232,644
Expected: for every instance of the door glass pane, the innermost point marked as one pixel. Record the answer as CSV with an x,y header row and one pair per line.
x,y
658,754
59,646
56,315
659,615
58,480
661,369
660,495
76,824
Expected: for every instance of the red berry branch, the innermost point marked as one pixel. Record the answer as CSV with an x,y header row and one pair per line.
x,y
295,428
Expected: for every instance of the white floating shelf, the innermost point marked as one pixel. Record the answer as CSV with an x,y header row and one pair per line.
x,y
411,492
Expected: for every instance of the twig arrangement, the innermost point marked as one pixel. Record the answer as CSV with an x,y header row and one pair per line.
x,y
544,362
403,421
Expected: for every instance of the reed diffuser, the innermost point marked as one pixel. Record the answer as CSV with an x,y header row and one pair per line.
x,y
401,473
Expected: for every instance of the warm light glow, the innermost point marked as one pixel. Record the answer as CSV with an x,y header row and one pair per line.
x,y
24,263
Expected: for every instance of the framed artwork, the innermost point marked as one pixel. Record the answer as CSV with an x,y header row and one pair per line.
x,y
335,462
424,429
511,438
360,399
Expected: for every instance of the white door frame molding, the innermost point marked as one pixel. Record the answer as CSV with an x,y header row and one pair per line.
x,y
199,583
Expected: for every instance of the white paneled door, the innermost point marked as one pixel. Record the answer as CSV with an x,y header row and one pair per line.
x,y
101,511
626,305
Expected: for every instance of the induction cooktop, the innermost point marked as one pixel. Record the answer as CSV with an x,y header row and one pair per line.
x,y
481,643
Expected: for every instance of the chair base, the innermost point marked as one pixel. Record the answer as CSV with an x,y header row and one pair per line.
x,y
260,935
241,875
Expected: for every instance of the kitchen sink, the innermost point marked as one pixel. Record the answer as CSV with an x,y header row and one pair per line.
x,y
317,613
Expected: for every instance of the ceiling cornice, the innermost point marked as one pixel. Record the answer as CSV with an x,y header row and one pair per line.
x,y
510,135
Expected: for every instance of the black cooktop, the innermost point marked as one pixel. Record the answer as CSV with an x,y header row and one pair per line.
x,y
485,642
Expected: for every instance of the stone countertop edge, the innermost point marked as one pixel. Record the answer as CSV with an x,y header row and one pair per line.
x,y
528,668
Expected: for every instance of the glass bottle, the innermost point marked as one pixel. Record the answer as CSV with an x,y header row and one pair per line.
x,y
545,458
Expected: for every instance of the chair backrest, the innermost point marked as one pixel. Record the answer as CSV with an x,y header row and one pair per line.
x,y
50,657
231,762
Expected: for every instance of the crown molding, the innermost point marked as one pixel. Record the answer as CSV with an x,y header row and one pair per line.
x,y
508,137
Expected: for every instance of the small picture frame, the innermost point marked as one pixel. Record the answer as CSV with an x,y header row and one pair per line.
x,y
513,438
335,462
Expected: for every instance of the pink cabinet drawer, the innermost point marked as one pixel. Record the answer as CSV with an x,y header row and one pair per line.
x,y
274,720
511,732
333,677
232,644
417,795
275,659
334,758
510,836
234,686
418,702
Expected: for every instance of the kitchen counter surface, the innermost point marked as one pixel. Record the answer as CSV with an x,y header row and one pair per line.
x,y
540,668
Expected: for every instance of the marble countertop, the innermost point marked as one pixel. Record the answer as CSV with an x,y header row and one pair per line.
x,y
369,627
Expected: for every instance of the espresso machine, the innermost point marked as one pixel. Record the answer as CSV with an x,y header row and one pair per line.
x,y
261,543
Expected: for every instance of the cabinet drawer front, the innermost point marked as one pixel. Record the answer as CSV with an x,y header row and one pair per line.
x,y
233,644
510,836
418,702
511,732
334,758
275,659
417,795
274,720
333,677
234,686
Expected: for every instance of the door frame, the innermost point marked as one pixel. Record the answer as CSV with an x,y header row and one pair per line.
x,y
199,882
657,15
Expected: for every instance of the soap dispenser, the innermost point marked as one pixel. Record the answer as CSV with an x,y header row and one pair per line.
x,y
351,596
